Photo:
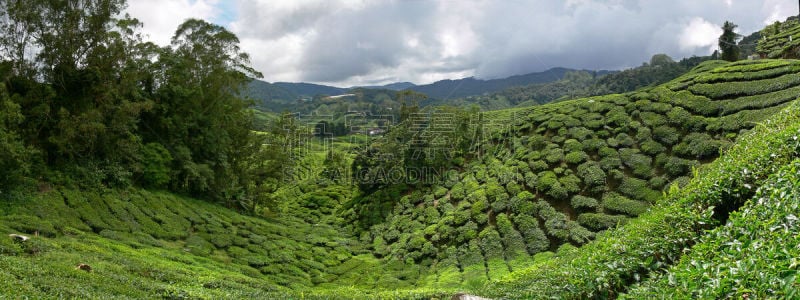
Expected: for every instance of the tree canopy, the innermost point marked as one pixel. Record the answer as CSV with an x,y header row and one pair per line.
x,y
727,42
85,100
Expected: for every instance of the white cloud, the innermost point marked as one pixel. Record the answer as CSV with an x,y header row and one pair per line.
x,y
779,10
700,33
161,18
353,42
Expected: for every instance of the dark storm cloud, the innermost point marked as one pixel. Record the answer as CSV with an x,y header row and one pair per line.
x,y
355,42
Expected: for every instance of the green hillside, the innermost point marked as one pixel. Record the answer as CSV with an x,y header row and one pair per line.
x,y
780,40
129,170
490,234
563,173
678,225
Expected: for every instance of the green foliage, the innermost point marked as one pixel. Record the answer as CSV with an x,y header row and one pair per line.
x,y
583,202
521,188
535,239
648,244
734,89
156,162
640,164
15,157
576,157
597,221
719,264
613,202
727,42
699,146
104,107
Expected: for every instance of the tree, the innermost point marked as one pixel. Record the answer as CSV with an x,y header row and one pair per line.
x,y
271,163
14,156
199,115
727,42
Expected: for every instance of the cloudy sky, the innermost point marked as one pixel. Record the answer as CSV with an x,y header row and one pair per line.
x,y
364,42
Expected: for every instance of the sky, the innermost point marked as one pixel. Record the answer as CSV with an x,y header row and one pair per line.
x,y
369,42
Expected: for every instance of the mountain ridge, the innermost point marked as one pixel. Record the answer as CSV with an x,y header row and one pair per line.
x,y
273,96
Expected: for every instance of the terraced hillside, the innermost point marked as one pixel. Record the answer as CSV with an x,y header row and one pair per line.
x,y
504,224
564,173
749,257
157,239
780,40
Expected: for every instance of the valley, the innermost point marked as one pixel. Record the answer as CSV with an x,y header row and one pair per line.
x,y
138,171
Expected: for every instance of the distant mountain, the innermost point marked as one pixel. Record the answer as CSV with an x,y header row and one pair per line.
x,y
459,88
281,96
397,86
310,89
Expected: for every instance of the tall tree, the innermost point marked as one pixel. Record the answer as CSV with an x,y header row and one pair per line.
x,y
727,42
199,115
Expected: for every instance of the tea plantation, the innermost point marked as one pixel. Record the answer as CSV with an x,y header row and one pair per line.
x,y
560,175
593,197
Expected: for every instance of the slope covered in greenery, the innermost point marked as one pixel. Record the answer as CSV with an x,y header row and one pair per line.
x,y
561,174
152,244
459,235
660,237
95,144
780,40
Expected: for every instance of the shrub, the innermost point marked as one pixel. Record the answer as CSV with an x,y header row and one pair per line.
x,y
651,147
572,145
571,183
639,164
558,192
457,192
593,120
583,202
512,239
555,223
537,165
637,189
546,180
745,88
514,188
580,133
657,183
614,202
676,166
578,234
652,119
553,155
624,140
617,118
490,243
467,232
597,222
536,142
666,135
576,157
592,175
28,224
199,246
698,145
612,142
535,239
